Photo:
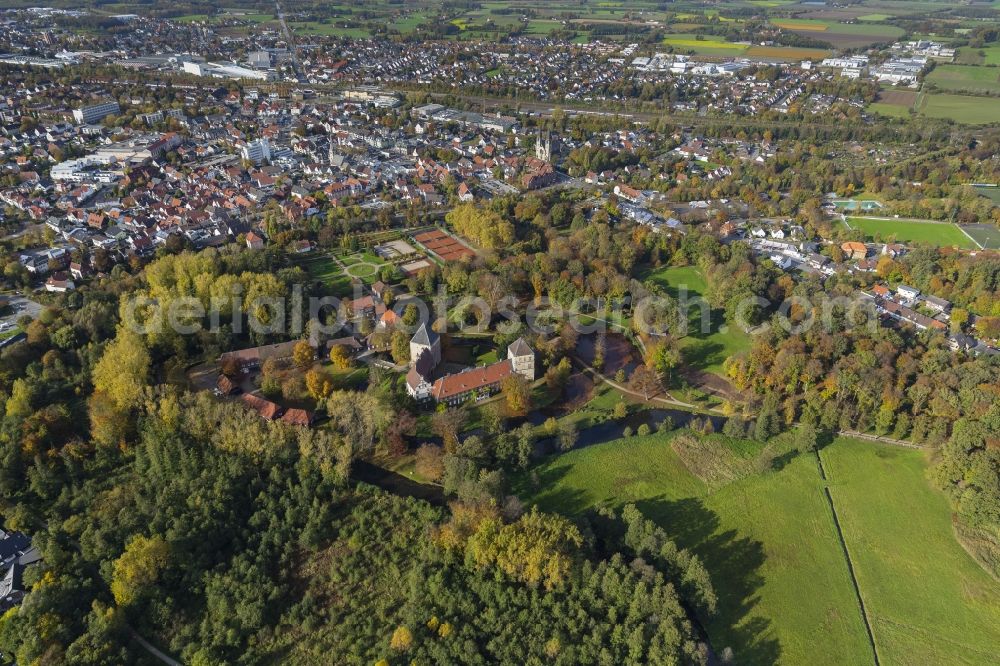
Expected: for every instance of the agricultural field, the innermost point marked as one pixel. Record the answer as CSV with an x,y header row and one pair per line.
x,y
940,234
987,55
705,351
769,539
786,53
898,530
960,108
840,35
703,44
307,28
967,78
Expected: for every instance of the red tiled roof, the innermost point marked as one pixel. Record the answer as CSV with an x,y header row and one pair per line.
x,y
265,408
471,380
300,417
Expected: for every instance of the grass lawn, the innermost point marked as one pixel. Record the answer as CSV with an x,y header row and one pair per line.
x,y
322,268
931,602
768,540
706,350
991,193
941,234
961,108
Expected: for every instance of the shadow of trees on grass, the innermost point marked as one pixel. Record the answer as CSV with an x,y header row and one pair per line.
x,y
733,562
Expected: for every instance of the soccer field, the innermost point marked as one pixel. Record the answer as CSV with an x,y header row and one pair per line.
x,y
940,234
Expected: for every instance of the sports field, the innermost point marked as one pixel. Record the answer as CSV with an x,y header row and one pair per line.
x,y
770,542
940,234
987,235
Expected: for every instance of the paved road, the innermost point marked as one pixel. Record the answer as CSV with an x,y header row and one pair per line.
x,y
151,649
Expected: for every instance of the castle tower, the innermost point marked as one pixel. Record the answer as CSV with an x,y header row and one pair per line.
x,y
522,359
425,340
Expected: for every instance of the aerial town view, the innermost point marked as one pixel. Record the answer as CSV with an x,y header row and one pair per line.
x,y
570,332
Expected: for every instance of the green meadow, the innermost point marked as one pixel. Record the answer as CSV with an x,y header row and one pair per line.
x,y
769,540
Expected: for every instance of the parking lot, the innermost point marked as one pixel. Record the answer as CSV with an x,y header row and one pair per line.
x,y
19,307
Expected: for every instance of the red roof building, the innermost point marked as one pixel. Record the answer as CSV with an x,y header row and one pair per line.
x,y
454,389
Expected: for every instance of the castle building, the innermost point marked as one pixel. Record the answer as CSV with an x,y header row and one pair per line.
x,y
425,339
522,359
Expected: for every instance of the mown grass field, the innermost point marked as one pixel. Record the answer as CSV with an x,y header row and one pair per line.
x,y
704,350
930,602
941,234
770,543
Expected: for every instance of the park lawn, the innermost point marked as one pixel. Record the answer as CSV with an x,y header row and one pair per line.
x,y
322,268
706,350
930,602
964,109
768,540
966,77
940,234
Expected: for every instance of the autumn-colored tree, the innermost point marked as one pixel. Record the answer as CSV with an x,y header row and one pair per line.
x,y
517,394
400,347
447,424
644,381
319,384
395,435
360,418
537,549
341,357
429,462
138,568
619,411
123,371
402,639
303,355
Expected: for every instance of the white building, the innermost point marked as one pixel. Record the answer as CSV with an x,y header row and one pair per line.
x,y
522,359
87,115
257,151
